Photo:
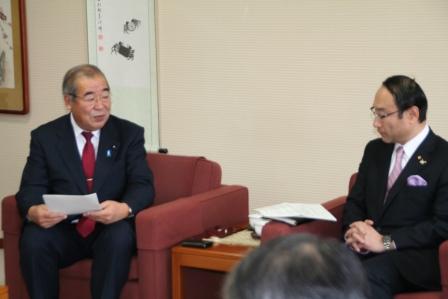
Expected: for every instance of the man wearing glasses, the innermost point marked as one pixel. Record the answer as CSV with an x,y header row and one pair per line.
x,y
85,151
397,212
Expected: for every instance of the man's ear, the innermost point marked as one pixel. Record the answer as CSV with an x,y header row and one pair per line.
x,y
68,102
414,113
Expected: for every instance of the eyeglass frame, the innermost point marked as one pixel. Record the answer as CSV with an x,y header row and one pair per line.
x,y
102,98
382,116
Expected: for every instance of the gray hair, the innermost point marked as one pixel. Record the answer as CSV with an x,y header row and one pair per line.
x,y
298,266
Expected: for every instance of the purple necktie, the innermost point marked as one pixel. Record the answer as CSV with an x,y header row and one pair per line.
x,y
396,170
85,226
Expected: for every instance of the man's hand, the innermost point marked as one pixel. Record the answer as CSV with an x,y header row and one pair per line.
x,y
42,216
112,211
362,237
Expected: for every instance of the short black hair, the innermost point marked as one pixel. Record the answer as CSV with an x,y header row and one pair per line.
x,y
298,266
407,93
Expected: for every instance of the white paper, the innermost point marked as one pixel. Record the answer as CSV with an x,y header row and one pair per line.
x,y
296,210
72,204
256,221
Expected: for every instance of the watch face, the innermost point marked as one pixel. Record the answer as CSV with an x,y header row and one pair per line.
x,y
387,242
130,215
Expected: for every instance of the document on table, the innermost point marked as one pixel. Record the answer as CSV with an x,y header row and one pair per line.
x,y
72,204
296,210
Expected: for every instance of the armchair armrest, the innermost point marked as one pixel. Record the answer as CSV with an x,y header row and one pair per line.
x,y
318,227
160,227
12,227
11,220
443,260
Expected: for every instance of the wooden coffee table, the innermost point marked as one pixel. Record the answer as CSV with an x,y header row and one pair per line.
x,y
217,258
3,292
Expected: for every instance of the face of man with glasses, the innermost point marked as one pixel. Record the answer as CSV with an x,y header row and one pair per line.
x,y
392,127
91,104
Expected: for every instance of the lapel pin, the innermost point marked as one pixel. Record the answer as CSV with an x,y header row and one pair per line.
x,y
421,160
109,153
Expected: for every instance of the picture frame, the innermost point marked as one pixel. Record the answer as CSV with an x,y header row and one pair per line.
x,y
14,95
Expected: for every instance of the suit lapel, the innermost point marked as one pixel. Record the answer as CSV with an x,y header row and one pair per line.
x,y
414,166
68,151
106,155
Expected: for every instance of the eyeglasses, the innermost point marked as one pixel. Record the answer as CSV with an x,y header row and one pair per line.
x,y
91,98
381,115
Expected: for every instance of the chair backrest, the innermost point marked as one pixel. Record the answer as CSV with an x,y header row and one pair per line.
x,y
181,176
336,206
352,181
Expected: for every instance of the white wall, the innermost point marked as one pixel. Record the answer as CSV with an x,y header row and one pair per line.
x,y
276,91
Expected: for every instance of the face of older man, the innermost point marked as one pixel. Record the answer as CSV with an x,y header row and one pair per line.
x,y
91,105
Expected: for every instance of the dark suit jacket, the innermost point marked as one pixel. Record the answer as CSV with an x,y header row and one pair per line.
x,y
416,217
54,165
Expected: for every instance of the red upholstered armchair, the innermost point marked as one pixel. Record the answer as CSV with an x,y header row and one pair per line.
x,y
334,230
189,200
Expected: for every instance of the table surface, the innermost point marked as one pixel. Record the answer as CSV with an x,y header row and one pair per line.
x,y
3,292
219,257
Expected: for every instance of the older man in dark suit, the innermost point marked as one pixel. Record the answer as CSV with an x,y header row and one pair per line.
x,y
397,212
85,151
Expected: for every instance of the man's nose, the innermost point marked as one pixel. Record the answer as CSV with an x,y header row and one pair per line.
x,y
98,104
376,123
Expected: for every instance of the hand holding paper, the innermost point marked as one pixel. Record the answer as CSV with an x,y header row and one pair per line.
x,y
42,216
111,211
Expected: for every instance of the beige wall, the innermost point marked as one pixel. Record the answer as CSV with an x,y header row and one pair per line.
x,y
57,40
277,91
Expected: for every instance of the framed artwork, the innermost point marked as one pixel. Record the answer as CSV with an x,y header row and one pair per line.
x,y
13,58
122,44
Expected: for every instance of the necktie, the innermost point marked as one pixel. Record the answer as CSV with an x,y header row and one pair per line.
x,y
396,170
85,225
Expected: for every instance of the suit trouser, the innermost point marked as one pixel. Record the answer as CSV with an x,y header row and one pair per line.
x,y
44,251
384,277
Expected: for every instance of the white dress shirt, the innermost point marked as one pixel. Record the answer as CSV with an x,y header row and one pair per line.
x,y
81,140
409,148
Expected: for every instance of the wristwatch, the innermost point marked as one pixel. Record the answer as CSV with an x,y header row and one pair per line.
x,y
387,242
130,214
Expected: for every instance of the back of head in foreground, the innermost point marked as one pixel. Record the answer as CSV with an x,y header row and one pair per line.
x,y
297,267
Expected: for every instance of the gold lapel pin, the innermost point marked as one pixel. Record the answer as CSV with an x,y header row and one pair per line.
x,y
421,160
